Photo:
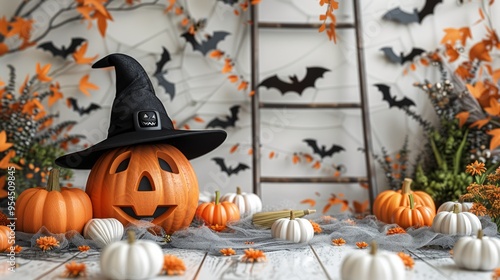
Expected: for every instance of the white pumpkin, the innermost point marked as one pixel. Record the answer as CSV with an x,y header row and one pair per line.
x,y
448,206
103,231
455,222
131,259
248,203
293,229
477,253
375,265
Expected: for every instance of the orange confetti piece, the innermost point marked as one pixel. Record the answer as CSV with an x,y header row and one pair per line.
x,y
338,242
227,252
361,245
309,201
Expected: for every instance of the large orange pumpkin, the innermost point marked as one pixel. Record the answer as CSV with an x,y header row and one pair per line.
x,y
218,213
6,234
154,182
59,209
413,215
387,201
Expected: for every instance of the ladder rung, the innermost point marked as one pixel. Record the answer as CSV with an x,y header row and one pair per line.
x,y
310,105
292,25
313,179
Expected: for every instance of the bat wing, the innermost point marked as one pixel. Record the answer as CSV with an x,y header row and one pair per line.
x,y
314,145
211,43
277,83
405,102
219,123
49,46
75,43
386,94
90,108
220,162
229,2
414,53
401,16
168,86
428,9
238,168
73,103
312,75
234,114
389,54
165,57
334,149
192,40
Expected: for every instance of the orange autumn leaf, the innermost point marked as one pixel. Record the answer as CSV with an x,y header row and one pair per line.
x,y
85,12
309,201
79,55
55,93
462,117
4,26
495,140
228,65
97,5
451,52
233,78
22,27
272,154
234,148
494,108
424,62
480,123
198,119
326,208
217,54
102,22
4,145
360,207
185,21
322,26
42,72
480,51
250,151
295,159
85,85
5,161
251,93
477,90
243,85
308,157
317,165
456,34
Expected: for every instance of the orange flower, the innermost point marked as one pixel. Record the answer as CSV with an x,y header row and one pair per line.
x,y
475,168
17,249
407,260
395,230
361,245
227,252
252,255
316,227
47,243
74,270
338,241
496,274
83,248
173,265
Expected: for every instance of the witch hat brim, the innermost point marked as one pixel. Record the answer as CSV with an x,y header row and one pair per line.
x,y
138,117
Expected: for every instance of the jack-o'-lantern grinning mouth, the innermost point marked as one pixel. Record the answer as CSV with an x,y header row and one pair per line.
x,y
161,212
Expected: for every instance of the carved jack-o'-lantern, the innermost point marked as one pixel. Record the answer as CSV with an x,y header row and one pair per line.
x,y
151,181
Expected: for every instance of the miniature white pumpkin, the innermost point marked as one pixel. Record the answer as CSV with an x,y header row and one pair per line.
x,y
375,265
103,231
477,253
248,203
455,222
293,229
131,259
448,206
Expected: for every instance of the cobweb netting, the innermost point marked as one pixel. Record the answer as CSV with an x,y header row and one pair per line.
x,y
243,235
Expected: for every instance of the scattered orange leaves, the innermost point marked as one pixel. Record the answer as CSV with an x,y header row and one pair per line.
x,y
55,93
407,260
47,243
42,72
361,245
173,265
4,145
495,140
338,242
75,270
309,201
252,255
395,230
316,227
227,252
328,15
453,35
462,117
272,154
83,248
85,85
79,55
295,158
234,148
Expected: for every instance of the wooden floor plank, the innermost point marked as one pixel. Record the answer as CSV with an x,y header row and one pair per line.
x,y
34,267
295,264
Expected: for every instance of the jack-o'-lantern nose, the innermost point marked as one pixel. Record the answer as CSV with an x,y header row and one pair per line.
x,y
145,185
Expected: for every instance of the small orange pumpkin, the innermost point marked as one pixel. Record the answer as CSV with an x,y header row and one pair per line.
x,y
59,209
413,215
387,201
218,213
5,235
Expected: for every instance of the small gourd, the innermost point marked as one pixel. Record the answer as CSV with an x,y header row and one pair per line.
x,y
375,265
448,206
413,215
248,203
103,231
293,229
456,222
131,259
217,213
477,253
6,238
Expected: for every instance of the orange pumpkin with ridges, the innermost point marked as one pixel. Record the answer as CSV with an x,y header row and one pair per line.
x,y
151,181
387,201
218,213
59,209
413,215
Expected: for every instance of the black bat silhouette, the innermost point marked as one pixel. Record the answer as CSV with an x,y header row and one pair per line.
x,y
229,169
81,110
205,46
313,73
229,2
401,59
323,152
229,121
63,51
401,16
168,86
386,95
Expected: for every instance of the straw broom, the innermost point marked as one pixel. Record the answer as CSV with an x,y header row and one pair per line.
x,y
266,219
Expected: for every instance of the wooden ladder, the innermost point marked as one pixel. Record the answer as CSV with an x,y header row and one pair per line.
x,y
362,105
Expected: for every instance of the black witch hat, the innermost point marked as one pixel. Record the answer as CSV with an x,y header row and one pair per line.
x,y
139,117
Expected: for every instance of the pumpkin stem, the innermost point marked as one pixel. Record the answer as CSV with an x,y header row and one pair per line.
x,y
373,248
455,208
53,183
130,236
412,201
238,190
217,197
406,188
292,215
480,234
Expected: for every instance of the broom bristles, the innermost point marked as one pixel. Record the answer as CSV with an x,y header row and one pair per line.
x,y
266,219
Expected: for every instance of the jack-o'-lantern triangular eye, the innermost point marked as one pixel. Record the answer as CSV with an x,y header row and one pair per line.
x,y
167,163
120,163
